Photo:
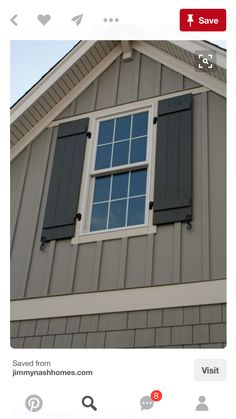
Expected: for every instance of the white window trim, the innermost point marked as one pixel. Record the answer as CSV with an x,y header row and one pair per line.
x,y
82,235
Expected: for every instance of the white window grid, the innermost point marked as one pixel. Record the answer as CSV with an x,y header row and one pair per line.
x,y
121,141
110,200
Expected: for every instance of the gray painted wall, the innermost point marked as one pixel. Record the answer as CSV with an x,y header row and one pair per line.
x,y
173,254
183,327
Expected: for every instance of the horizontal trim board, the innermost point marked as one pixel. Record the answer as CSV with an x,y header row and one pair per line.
x,y
146,298
143,103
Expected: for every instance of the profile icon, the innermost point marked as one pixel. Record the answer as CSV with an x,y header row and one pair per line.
x,y
202,405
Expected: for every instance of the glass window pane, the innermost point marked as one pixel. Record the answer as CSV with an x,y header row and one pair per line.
x,y
117,213
103,158
120,186
120,153
106,132
122,131
138,150
102,189
138,182
136,211
140,121
99,217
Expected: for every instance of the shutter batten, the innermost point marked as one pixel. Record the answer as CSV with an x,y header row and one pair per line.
x,y
64,188
173,171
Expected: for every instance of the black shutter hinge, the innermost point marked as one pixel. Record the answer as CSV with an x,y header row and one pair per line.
x,y
43,243
155,120
188,220
151,205
89,134
78,216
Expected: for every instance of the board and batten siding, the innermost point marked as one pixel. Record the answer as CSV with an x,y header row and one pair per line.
x,y
173,254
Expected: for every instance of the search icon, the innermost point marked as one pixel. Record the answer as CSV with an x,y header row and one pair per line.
x,y
87,401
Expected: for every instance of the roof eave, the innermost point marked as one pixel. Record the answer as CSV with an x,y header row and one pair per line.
x,y
51,77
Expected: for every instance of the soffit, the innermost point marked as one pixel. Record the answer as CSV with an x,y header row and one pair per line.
x,y
59,89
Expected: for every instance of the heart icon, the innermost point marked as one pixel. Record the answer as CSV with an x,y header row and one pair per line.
x,y
44,19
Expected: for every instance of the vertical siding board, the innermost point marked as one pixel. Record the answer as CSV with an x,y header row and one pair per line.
x,y
110,264
93,95
63,268
177,253
189,84
128,80
217,182
107,86
18,176
84,272
205,192
171,81
97,264
41,262
69,111
191,243
163,255
149,70
85,102
48,269
123,259
136,262
149,259
28,216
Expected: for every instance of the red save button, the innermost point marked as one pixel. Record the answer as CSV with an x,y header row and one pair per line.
x,y
202,20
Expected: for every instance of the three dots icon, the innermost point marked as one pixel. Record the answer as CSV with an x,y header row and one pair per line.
x,y
110,20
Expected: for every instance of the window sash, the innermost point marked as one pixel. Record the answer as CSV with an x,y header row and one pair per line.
x,y
95,173
128,198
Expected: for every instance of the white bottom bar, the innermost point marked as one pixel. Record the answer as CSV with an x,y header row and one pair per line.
x,y
147,298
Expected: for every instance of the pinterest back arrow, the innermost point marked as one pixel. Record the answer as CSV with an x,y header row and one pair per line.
x,y
13,20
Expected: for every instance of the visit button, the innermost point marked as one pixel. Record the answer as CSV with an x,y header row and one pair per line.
x,y
203,20
210,369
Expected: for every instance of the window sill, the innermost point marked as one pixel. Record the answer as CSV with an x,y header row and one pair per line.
x,y
114,234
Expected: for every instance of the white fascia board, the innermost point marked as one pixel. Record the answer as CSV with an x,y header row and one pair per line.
x,y
76,91
181,67
146,298
47,81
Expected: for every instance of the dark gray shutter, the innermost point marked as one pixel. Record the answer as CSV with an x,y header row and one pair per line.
x,y
173,172
64,188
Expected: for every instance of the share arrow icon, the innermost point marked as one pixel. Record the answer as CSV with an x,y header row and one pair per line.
x,y
77,19
13,20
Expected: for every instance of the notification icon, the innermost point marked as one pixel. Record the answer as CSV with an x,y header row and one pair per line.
x,y
156,395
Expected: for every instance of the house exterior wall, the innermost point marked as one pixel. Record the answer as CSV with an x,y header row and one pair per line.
x,y
182,327
173,254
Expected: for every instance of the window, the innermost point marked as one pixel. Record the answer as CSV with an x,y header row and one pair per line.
x,y
104,182
119,178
